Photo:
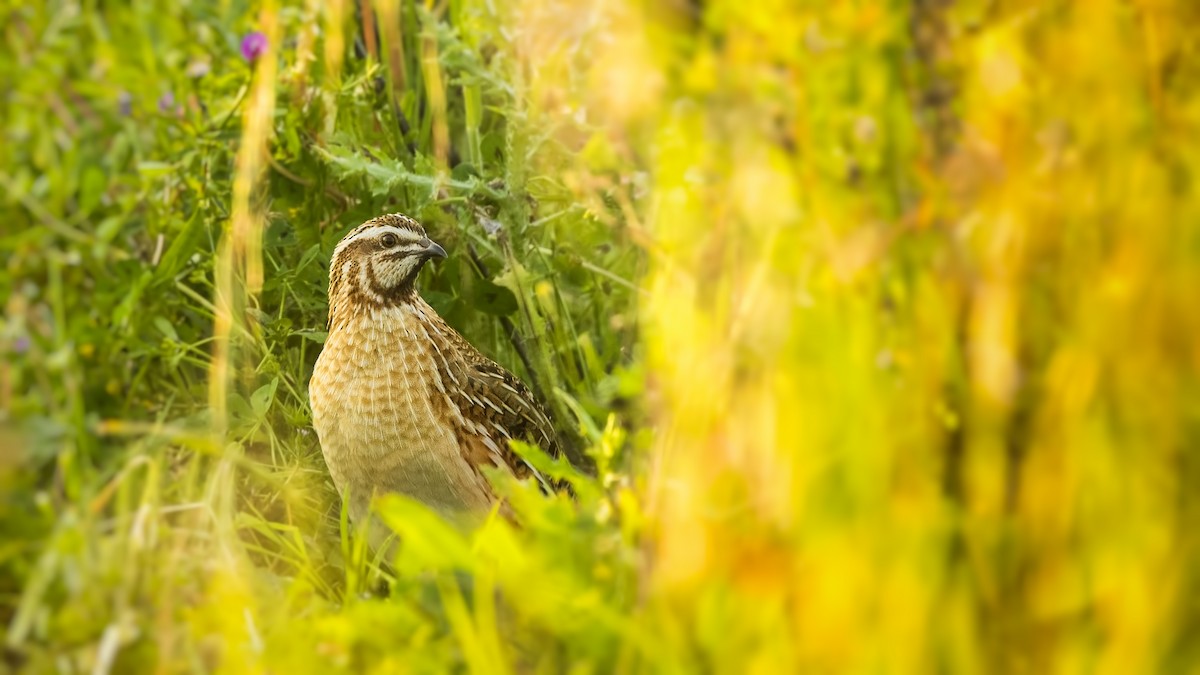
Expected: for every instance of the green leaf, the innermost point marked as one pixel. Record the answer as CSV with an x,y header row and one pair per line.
x,y
166,328
125,309
492,298
182,247
261,399
427,541
317,336
153,169
91,188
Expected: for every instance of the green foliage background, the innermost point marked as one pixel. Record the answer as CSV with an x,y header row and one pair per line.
x,y
876,320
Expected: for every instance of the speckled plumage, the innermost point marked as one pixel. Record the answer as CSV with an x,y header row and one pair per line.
x,y
401,402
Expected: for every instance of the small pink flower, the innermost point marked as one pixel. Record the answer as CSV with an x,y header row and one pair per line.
x,y
253,46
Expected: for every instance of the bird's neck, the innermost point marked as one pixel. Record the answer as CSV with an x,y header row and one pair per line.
x,y
348,304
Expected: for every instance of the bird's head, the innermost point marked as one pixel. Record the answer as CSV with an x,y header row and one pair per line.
x,y
376,263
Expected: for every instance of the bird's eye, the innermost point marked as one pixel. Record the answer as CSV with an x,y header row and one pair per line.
x,y
388,240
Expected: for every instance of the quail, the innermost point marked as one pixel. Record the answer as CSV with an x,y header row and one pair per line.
x,y
401,401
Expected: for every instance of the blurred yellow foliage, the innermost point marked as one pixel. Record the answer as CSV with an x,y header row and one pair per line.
x,y
921,324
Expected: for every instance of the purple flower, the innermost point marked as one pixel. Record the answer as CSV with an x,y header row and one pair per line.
x,y
21,344
166,102
125,103
253,46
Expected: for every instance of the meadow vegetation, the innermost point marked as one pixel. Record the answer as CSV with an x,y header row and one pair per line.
x,y
871,326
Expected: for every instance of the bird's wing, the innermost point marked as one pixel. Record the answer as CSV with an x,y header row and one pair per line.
x,y
503,408
509,402
494,401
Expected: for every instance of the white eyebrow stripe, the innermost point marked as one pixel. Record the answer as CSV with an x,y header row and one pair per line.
x,y
405,235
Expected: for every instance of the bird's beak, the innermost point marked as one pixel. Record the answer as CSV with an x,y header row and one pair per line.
x,y
433,250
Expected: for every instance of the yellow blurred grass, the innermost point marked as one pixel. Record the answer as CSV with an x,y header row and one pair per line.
x,y
970,465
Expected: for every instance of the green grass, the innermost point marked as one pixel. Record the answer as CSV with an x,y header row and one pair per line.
x,y
130,531
872,321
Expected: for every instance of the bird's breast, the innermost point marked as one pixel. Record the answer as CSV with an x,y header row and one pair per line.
x,y
379,409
